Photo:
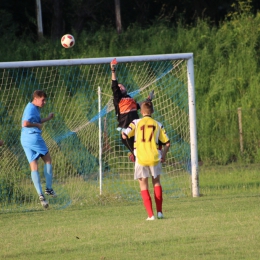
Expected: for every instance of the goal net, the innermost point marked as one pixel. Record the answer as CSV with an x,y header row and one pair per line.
x,y
90,164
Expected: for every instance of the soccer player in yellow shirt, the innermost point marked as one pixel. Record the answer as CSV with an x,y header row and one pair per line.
x,y
148,133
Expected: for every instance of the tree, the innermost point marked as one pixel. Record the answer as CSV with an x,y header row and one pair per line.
x,y
39,19
85,12
118,16
57,27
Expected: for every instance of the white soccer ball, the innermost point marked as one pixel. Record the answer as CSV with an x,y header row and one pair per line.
x,y
67,41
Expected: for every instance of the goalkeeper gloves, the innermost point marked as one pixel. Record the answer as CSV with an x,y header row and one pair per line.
x,y
113,64
151,96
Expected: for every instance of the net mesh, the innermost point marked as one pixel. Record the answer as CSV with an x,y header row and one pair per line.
x,y
72,136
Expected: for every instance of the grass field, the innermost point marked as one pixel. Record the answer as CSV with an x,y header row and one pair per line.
x,y
223,223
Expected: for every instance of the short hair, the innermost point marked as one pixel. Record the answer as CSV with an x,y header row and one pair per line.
x,y
147,107
39,93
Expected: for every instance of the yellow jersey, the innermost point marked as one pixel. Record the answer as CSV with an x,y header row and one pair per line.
x,y
147,132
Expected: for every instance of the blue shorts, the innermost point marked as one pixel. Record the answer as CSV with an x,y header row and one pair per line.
x,y
34,146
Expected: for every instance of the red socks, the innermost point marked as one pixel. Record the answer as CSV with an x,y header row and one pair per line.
x,y
158,198
147,202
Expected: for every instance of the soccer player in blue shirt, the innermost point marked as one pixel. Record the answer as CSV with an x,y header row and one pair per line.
x,y
34,146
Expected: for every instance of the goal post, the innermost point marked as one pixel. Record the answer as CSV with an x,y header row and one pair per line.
x,y
90,164
193,129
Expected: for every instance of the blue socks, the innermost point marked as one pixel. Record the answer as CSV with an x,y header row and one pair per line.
x,y
48,175
36,181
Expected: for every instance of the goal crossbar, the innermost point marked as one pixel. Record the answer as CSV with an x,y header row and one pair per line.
x,y
89,61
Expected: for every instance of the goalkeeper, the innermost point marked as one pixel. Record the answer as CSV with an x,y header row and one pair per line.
x,y
125,107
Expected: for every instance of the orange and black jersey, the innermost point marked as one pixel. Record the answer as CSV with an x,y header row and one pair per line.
x,y
125,106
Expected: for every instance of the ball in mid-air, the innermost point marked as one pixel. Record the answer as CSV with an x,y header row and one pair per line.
x,y
67,41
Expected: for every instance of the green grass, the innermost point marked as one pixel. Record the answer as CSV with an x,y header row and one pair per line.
x,y
224,223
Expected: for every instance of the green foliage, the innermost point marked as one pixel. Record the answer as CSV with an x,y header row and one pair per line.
x,y
226,61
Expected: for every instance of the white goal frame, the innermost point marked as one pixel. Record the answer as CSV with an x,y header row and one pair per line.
x,y
160,57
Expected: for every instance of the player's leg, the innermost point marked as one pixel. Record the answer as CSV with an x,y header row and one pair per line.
x,y
158,197
146,197
129,143
142,173
32,158
48,175
36,176
37,182
34,146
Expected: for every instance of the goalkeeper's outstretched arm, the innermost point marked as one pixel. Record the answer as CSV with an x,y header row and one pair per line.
x,y
113,64
149,98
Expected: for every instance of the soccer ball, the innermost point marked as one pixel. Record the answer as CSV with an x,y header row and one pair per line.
x,y
67,41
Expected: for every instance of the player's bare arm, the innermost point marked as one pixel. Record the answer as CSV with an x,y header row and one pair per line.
x,y
38,125
29,124
50,116
124,136
165,151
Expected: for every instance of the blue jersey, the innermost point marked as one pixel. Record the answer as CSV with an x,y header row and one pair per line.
x,y
33,144
32,114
